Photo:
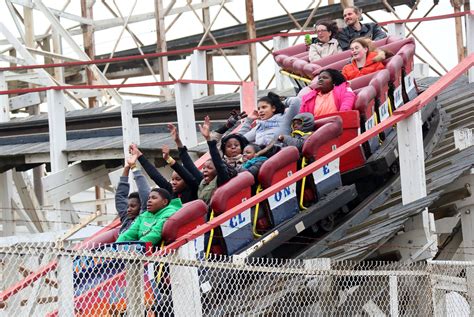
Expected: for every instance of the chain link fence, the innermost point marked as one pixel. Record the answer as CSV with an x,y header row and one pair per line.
x,y
126,280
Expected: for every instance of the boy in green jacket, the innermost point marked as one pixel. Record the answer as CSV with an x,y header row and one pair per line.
x,y
149,224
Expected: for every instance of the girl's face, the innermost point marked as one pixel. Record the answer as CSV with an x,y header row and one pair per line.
x,y
265,110
323,34
208,171
358,51
324,83
155,202
177,183
249,153
133,208
232,148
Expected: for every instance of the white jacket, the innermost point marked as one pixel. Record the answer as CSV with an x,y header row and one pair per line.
x,y
320,50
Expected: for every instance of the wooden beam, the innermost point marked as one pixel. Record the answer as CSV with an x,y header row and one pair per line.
x,y
130,127
252,34
89,46
30,202
73,180
161,46
27,100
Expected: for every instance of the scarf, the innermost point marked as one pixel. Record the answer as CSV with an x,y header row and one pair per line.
x,y
252,161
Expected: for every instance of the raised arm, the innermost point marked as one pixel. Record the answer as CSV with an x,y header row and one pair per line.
x,y
187,177
140,180
183,154
121,194
151,170
221,167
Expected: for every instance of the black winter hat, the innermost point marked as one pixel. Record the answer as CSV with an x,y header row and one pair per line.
x,y
242,140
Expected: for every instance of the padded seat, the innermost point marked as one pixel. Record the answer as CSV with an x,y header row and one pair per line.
x,y
320,143
407,53
394,66
237,231
283,204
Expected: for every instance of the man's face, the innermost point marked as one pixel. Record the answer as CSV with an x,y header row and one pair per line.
x,y
350,17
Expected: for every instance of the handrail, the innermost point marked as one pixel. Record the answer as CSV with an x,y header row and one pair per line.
x,y
401,113
207,47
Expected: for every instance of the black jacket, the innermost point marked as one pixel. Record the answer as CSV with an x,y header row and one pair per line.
x,y
370,30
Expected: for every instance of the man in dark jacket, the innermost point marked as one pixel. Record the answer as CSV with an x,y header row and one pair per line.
x,y
355,29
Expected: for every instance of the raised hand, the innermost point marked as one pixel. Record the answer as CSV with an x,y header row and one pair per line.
x,y
253,115
166,152
132,160
174,134
133,150
205,128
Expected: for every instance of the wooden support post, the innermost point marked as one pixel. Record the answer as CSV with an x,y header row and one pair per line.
x,y
161,46
185,114
185,288
282,82
6,181
89,43
66,286
199,72
248,97
206,19
130,127
418,229
396,29
135,290
457,4
470,38
252,33
58,157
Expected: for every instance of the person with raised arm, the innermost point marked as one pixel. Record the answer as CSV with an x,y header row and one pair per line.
x,y
128,206
182,184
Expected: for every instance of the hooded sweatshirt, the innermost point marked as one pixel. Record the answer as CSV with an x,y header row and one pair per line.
x,y
297,137
148,226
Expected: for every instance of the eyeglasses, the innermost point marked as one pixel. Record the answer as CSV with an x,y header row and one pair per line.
x,y
321,31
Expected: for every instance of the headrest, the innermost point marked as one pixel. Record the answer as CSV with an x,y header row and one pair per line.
x,y
364,97
283,158
219,200
191,211
394,66
407,52
380,81
327,129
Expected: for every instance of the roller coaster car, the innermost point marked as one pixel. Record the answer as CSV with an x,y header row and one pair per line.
x,y
94,276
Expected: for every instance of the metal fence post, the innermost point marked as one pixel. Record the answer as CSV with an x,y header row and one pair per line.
x,y
199,72
185,112
135,290
185,289
66,286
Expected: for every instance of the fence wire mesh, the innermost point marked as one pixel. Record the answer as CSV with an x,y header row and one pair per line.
x,y
48,280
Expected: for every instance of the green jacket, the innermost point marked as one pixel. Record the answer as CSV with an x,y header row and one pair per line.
x,y
148,226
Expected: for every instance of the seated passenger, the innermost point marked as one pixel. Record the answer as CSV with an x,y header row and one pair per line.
x,y
272,121
355,29
129,207
332,93
149,225
302,127
232,146
215,172
182,185
326,43
253,158
365,59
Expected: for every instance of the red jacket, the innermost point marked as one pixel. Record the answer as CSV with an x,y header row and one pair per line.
x,y
344,98
351,70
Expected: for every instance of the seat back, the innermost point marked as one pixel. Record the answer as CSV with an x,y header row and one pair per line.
x,y
284,203
407,53
320,143
237,231
394,66
191,215
382,109
365,104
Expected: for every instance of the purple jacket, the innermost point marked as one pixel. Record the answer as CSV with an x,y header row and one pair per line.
x,y
344,98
